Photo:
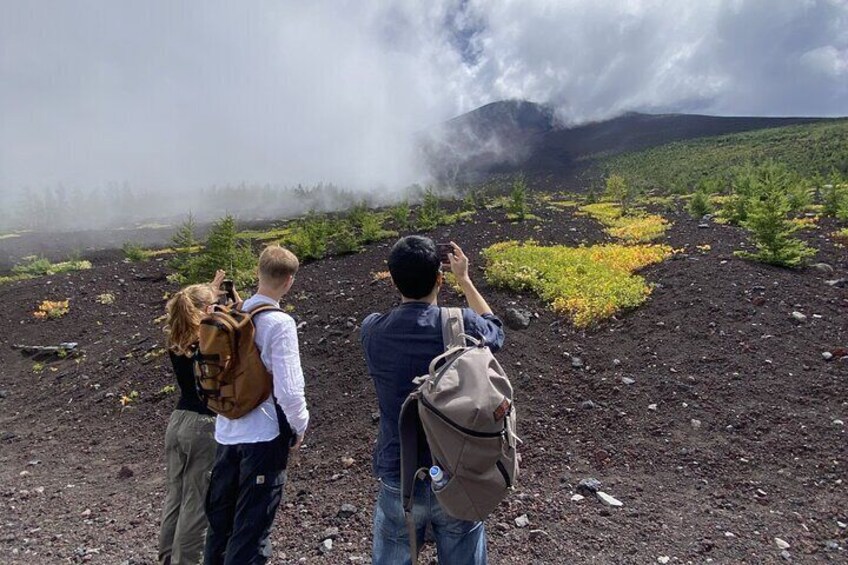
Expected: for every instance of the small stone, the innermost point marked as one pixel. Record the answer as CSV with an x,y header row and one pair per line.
x,y
696,424
838,423
799,317
838,283
346,511
516,319
125,473
588,487
609,500
786,555
827,355
330,533
86,513
842,525
704,226
576,363
652,407
831,545
729,535
823,267
3,394
616,362
587,405
23,473
536,534
33,462
326,546
522,521
663,559
577,498
347,461
782,544
503,527
628,380
375,417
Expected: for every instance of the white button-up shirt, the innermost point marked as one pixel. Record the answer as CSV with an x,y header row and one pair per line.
x,y
276,338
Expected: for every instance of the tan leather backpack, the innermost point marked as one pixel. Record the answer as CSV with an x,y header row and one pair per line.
x,y
231,378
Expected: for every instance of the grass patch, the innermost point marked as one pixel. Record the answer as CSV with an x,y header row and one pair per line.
x,y
52,309
34,267
635,227
9,235
805,223
587,284
272,234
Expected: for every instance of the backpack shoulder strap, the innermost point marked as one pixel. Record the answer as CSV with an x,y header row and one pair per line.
x,y
452,328
262,309
411,437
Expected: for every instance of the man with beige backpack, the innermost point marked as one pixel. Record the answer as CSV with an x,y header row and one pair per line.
x,y
445,453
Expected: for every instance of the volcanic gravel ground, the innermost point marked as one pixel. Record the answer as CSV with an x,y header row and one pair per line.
x,y
742,446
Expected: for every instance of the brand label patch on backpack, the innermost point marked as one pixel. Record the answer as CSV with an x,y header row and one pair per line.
x,y
260,479
501,410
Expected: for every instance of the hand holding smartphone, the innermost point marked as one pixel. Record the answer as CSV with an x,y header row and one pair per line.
x,y
444,250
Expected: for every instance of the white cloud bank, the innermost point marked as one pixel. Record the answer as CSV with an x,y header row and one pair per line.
x,y
173,94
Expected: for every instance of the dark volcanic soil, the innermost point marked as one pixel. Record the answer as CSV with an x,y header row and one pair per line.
x,y
743,445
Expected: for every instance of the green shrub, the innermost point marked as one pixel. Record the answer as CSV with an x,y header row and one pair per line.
x,y
430,214
517,207
620,191
400,215
310,237
34,266
799,195
223,250
185,242
700,205
345,240
133,251
769,223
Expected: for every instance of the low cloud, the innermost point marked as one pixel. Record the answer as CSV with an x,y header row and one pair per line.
x,y
167,95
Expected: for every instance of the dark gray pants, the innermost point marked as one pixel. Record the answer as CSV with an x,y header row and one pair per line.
x,y
244,494
189,454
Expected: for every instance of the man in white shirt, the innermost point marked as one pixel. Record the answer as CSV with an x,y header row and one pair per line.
x,y
247,481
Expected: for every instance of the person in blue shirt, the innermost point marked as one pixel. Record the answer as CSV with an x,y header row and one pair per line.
x,y
399,347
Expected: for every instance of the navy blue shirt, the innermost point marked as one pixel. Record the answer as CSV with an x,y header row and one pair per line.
x,y
399,346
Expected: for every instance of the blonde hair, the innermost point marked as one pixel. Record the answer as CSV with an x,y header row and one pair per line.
x,y
185,310
276,263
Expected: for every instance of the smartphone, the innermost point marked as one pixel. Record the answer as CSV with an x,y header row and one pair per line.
x,y
444,249
229,290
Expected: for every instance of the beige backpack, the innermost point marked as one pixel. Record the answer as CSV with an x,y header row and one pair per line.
x,y
464,407
231,378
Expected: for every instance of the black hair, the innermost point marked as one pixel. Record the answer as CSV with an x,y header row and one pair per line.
x,y
414,264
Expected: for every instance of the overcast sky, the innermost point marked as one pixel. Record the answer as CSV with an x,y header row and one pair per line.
x,y
192,93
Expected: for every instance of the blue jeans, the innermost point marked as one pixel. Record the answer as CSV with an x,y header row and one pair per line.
x,y
457,542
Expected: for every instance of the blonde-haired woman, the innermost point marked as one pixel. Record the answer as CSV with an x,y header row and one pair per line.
x,y
190,439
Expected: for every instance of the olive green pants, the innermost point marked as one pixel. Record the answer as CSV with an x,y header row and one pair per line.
x,y
189,454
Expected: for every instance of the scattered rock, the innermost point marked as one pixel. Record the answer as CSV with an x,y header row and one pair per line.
x,y
330,533
786,555
823,267
587,405
616,362
838,423
33,462
522,521
799,317
125,473
838,283
704,226
628,380
346,511
663,559
831,545
3,394
326,546
652,407
827,355
375,417
516,319
729,535
588,487
577,498
696,424
347,461
576,363
608,499
842,525
536,534
782,544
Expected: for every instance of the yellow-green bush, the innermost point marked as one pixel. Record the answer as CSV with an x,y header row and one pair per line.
x,y
588,284
635,227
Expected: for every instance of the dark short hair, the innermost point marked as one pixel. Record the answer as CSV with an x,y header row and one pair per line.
x,y
414,264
